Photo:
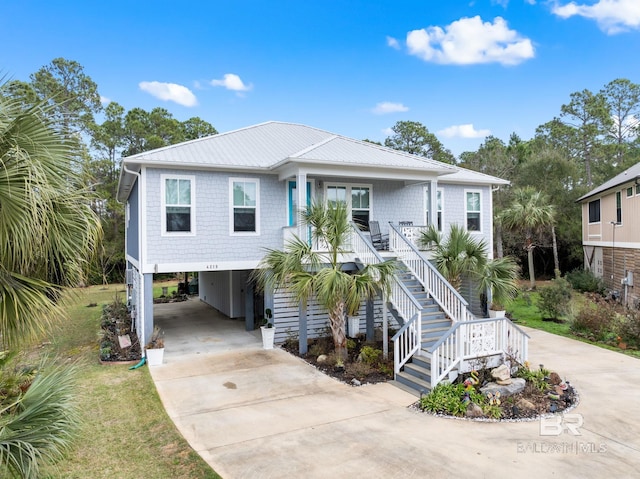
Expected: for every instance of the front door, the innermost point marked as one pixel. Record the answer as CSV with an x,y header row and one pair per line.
x,y
293,202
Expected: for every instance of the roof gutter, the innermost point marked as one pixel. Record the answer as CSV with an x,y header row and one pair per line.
x,y
131,172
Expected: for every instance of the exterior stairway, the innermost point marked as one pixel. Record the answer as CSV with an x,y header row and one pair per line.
x,y
416,376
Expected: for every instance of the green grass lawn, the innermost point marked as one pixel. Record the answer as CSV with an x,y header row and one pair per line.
x,y
125,431
172,287
524,311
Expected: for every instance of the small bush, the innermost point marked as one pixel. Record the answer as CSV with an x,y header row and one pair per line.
x,y
555,299
447,398
629,328
595,320
370,355
585,281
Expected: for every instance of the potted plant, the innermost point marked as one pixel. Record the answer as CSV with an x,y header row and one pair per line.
x,y
155,348
268,330
499,277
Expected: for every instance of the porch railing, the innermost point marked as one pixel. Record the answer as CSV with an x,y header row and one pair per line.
x,y
470,341
407,341
451,302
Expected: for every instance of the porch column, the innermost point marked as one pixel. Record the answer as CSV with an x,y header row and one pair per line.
x,y
248,307
433,203
146,308
302,328
301,193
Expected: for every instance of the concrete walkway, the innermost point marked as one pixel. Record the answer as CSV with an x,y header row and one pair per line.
x,y
261,414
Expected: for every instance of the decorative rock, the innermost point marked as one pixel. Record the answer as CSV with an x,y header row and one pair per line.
x,y
473,410
504,382
516,386
525,405
322,359
355,382
554,378
501,372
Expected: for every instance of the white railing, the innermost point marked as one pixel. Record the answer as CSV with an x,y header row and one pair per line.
x,y
468,342
407,341
451,302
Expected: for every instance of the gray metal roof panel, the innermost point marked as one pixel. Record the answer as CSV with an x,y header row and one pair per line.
x,y
627,175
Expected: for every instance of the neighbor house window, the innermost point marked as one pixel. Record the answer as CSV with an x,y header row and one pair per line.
x,y
245,212
637,189
594,211
178,198
356,197
472,206
630,192
618,207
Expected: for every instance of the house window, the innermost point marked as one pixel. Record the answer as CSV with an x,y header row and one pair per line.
x,y
473,210
618,207
439,208
594,211
630,192
178,197
244,205
637,189
360,206
358,201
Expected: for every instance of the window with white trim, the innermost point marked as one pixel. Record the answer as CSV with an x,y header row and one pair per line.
x,y
618,207
245,205
594,211
178,204
439,207
356,197
473,211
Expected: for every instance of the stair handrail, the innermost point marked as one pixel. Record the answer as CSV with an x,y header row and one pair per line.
x,y
407,341
447,297
454,346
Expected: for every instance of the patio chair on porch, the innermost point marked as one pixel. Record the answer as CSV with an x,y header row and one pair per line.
x,y
378,240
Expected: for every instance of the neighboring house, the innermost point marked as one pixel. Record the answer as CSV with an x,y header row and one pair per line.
x,y
611,233
213,205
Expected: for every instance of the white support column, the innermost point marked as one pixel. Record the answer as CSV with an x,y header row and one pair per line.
x,y
301,192
385,330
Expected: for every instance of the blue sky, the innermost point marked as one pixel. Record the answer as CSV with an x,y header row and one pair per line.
x,y
464,69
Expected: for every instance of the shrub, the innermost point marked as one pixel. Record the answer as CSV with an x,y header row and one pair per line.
x,y
447,398
585,281
555,299
370,355
629,328
596,319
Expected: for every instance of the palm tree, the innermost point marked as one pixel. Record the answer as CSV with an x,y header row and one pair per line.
x,y
528,213
460,256
456,256
320,274
47,233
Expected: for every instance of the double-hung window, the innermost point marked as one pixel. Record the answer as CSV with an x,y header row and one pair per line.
x,y
619,207
473,210
356,197
594,211
245,207
178,204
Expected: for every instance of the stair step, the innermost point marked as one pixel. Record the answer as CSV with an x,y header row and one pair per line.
x,y
418,371
436,323
422,361
406,388
435,333
420,386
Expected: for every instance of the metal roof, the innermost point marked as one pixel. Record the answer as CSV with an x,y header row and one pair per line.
x,y
627,175
268,146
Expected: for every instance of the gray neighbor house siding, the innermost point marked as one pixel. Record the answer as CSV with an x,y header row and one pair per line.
x,y
402,188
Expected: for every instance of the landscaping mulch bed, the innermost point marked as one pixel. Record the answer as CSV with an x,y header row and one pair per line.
x,y
116,323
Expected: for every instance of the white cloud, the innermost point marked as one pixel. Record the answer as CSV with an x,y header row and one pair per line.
x,y
393,43
231,81
469,41
388,107
612,16
530,2
388,132
169,92
463,131
104,100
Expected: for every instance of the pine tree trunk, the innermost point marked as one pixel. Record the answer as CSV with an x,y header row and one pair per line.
x,y
556,261
499,247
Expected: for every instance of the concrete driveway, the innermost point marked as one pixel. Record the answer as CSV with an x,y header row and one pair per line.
x,y
252,413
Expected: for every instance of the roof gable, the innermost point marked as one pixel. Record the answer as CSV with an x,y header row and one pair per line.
x,y
626,176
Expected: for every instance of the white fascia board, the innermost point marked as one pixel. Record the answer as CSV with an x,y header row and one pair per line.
x,y
199,266
355,171
618,244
